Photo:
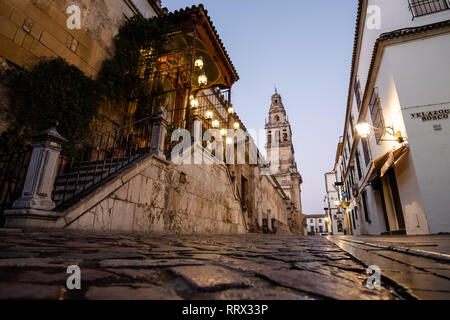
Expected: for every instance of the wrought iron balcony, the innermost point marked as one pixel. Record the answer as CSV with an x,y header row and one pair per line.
x,y
423,7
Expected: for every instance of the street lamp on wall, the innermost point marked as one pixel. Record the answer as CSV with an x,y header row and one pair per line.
x,y
363,129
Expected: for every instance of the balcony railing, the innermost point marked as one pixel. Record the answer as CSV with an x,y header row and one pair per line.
x,y
423,7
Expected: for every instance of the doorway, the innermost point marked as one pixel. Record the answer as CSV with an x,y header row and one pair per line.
x,y
392,204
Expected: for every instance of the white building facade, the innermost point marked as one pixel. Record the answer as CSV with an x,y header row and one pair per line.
x,y
317,224
395,177
334,212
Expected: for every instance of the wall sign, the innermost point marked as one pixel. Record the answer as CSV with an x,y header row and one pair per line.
x,y
432,115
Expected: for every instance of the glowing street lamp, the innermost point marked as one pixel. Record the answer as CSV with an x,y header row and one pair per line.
x,y
223,132
229,140
231,110
363,129
236,126
215,124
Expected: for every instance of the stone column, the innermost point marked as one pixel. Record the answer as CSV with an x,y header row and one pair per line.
x,y
260,217
36,200
159,132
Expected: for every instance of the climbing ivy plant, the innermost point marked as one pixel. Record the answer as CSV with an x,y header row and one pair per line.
x,y
53,89
120,77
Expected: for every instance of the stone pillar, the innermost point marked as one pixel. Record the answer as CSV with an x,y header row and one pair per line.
x,y
269,220
260,217
159,132
36,200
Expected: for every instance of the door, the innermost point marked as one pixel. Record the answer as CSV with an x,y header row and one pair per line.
x,y
396,199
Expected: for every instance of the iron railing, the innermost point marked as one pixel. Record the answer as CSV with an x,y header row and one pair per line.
x,y
13,172
94,162
423,7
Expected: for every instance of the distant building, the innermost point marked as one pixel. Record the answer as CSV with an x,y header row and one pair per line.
x,y
334,212
392,166
317,224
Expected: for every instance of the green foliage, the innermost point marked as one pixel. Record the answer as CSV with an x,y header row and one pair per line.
x,y
120,76
53,89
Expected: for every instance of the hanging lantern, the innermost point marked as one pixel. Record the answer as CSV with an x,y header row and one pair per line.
x,y
231,110
223,132
194,103
229,140
236,126
199,63
203,80
208,115
215,124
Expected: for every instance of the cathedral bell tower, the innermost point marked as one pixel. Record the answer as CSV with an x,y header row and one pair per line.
x,y
281,155
279,136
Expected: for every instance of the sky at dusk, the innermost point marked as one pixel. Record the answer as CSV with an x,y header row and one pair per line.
x,y
303,48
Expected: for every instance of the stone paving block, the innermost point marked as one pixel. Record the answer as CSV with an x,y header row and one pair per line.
x,y
324,286
33,263
147,263
210,277
130,293
13,291
154,276
260,294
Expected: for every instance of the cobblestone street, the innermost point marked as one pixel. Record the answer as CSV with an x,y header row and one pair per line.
x,y
33,265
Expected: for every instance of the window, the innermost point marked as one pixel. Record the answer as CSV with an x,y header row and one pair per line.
x,y
423,7
354,221
357,90
377,115
352,126
320,229
277,119
365,206
358,165
320,220
365,146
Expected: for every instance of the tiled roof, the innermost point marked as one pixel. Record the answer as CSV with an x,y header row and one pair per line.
x,y
201,9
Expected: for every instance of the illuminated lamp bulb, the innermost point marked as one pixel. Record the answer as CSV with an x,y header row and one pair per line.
x,y
199,63
203,80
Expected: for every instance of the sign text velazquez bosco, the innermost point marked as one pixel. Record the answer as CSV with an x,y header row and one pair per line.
x,y
432,115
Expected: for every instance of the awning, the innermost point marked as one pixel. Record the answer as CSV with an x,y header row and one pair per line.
x,y
382,164
392,159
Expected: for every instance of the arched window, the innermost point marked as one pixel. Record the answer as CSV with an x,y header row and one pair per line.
x,y
277,118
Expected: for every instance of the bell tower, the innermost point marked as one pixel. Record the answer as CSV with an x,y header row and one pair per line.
x,y
279,135
281,155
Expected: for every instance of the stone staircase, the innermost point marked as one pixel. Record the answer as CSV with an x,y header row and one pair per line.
x,y
80,180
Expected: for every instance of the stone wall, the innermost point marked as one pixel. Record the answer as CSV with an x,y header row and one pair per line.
x,y
269,197
33,29
157,196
